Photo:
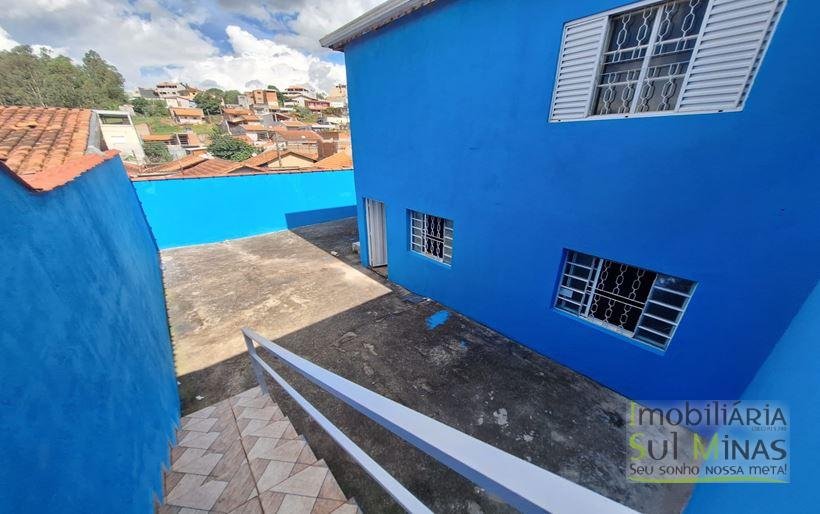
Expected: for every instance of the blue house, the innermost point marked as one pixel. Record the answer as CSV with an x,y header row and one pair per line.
x,y
628,189
631,190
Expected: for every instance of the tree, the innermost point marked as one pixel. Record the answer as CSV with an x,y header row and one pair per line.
x,y
231,96
156,152
225,146
209,102
44,80
304,114
150,108
103,82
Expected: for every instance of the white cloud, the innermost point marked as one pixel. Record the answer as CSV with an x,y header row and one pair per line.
x,y
6,43
149,42
312,19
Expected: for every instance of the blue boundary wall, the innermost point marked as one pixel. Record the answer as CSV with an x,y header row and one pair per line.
x,y
89,396
791,376
730,200
191,211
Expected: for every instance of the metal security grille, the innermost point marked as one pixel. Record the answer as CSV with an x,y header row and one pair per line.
x,y
647,56
431,236
663,57
638,303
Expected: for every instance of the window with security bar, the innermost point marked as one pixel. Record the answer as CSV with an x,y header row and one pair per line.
x,y
431,236
642,304
663,57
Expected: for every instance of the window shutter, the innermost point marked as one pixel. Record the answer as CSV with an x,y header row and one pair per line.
x,y
577,68
734,38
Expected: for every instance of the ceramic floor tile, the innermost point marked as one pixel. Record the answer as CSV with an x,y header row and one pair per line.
x,y
323,506
262,428
294,504
307,482
243,456
196,461
192,491
240,487
330,489
265,413
250,507
199,424
230,462
264,448
199,440
274,473
271,502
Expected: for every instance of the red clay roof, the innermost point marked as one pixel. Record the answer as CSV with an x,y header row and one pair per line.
x,y
45,147
157,137
255,127
187,111
294,123
262,158
337,161
172,166
239,111
211,168
33,139
297,135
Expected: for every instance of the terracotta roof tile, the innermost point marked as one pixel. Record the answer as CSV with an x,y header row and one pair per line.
x,y
45,147
187,111
33,139
256,127
157,137
239,111
337,161
297,135
177,165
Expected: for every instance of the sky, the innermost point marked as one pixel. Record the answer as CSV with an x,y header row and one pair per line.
x,y
230,44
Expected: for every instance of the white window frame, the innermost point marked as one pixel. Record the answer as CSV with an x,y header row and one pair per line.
x,y
581,292
602,21
419,236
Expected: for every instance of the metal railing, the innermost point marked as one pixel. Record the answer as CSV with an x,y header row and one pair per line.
x,y
521,484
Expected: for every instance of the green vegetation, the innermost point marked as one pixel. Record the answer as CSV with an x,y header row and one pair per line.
x,y
163,125
231,96
149,107
304,114
44,80
209,101
156,152
225,146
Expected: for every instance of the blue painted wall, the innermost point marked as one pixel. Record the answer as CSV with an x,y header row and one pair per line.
x,y
791,374
195,211
729,200
89,398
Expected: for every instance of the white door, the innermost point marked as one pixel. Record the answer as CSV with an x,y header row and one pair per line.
x,y
376,233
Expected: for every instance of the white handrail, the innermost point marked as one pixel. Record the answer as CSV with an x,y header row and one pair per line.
x,y
518,482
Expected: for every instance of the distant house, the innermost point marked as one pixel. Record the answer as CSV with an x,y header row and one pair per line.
x,y
281,159
304,142
179,101
659,233
264,97
148,94
118,133
337,161
187,115
178,144
168,89
292,91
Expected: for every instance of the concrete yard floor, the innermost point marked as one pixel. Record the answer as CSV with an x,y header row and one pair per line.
x,y
305,290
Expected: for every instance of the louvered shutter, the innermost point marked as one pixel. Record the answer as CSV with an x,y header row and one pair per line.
x,y
734,37
577,68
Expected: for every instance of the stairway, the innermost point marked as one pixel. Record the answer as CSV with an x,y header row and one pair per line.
x,y
243,456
